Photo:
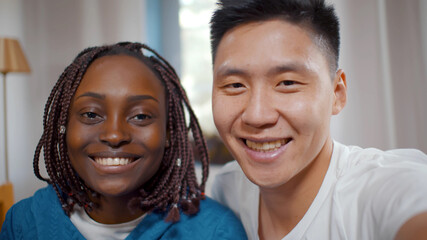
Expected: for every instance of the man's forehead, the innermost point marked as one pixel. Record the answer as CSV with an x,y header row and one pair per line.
x,y
273,46
273,49
229,68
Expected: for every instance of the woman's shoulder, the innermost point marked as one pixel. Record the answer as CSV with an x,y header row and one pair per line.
x,y
20,218
214,219
39,217
24,206
208,204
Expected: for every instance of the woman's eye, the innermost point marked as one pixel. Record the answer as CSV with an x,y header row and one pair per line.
x,y
90,118
141,117
90,115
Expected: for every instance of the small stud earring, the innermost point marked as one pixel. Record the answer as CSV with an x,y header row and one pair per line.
x,y
62,129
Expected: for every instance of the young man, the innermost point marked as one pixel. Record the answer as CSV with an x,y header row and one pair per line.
x,y
276,86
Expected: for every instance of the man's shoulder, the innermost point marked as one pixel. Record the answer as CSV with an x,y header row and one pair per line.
x,y
230,169
385,188
362,170
232,188
374,172
231,181
353,158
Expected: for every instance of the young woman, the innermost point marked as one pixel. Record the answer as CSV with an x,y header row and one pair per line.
x,y
119,157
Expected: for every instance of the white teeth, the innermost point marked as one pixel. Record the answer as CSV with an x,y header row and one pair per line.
x,y
266,146
113,161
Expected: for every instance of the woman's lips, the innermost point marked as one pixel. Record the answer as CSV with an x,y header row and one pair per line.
x,y
113,161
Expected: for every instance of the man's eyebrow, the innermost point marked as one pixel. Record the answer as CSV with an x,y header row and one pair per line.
x,y
91,94
291,67
230,71
287,67
141,97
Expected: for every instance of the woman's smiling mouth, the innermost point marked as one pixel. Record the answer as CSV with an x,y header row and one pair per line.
x,y
113,161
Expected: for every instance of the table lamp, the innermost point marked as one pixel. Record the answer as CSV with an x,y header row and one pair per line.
x,y
12,59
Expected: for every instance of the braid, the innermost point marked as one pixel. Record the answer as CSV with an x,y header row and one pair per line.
x,y
173,187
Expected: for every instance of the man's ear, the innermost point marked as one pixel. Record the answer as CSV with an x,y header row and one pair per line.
x,y
340,92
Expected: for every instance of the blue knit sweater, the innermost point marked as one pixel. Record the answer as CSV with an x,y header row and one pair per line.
x,y
41,217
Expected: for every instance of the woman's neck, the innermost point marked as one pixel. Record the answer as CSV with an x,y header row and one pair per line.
x,y
114,210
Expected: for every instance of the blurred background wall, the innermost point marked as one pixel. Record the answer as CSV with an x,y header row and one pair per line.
x,y
383,52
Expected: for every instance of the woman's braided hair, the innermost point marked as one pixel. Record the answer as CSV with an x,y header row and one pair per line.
x,y
173,187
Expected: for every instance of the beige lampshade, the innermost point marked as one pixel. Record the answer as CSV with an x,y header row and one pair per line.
x,y
12,58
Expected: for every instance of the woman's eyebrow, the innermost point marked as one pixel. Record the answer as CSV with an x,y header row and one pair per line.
x,y
141,97
91,94
130,99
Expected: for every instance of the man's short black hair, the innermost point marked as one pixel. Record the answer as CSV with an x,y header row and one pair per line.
x,y
314,15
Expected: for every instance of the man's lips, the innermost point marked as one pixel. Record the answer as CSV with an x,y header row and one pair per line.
x,y
267,150
267,145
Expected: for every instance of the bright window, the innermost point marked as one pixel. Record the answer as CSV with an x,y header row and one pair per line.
x,y
196,63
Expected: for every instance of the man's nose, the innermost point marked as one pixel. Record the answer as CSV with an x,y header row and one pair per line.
x,y
260,109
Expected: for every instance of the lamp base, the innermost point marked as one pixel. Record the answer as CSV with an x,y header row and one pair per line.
x,y
6,200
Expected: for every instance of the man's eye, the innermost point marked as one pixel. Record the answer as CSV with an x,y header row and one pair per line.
x,y
287,82
233,88
236,85
90,115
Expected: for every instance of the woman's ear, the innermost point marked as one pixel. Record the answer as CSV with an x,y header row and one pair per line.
x,y
340,92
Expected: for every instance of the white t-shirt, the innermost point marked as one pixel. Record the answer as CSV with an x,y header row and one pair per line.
x,y
366,194
90,229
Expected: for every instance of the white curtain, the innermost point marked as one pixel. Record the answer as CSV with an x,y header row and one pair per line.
x,y
383,52
52,33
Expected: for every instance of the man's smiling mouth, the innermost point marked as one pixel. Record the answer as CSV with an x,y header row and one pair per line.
x,y
266,146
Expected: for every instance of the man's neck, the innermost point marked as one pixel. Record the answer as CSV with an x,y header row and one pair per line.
x,y
282,208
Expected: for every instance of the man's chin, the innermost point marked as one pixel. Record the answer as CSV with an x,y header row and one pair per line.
x,y
265,179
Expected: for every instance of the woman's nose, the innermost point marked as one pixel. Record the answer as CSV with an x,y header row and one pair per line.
x,y
115,133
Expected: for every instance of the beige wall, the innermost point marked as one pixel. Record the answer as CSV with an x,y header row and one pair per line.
x,y
383,53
